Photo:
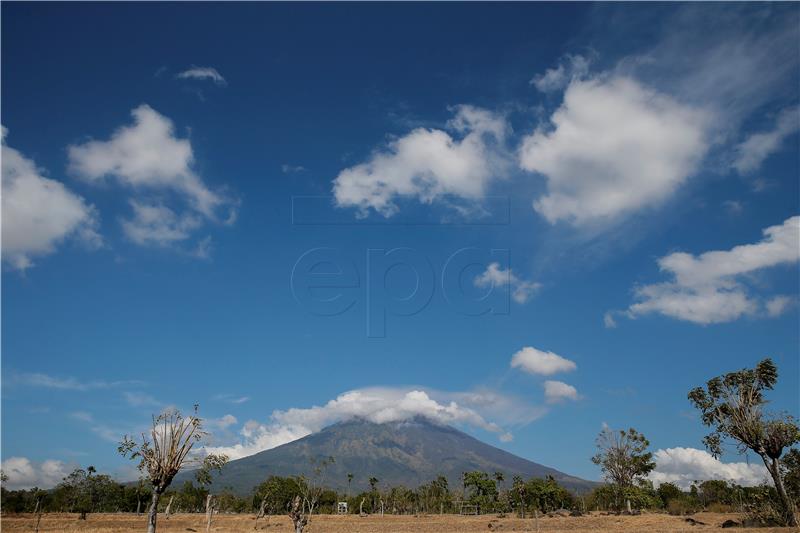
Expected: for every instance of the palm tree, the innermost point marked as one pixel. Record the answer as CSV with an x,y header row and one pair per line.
x,y
372,482
500,477
349,480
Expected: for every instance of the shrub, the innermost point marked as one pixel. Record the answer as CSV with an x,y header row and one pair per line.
x,y
681,506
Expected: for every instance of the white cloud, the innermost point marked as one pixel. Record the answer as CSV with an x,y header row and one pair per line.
x,y
504,409
428,164
202,73
573,67
762,184
735,67
778,305
733,207
83,416
146,155
37,379
24,474
616,147
608,320
535,361
377,404
257,437
291,169
707,289
157,224
758,146
148,158
494,276
39,213
220,423
140,399
230,398
558,391
105,432
684,466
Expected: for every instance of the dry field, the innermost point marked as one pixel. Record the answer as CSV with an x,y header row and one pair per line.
x,y
123,523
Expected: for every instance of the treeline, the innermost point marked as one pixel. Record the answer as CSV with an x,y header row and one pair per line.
x,y
86,491
83,491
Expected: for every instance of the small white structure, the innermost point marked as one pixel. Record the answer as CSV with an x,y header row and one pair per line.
x,y
341,508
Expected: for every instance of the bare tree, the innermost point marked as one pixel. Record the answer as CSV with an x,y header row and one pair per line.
x,y
310,490
166,451
733,406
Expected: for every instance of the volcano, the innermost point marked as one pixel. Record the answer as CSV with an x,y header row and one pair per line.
x,y
405,453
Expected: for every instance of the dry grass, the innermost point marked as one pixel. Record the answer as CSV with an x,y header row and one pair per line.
x,y
124,523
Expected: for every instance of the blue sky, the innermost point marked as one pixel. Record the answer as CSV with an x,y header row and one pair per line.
x,y
168,169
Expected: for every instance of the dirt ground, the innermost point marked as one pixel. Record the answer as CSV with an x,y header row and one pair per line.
x,y
119,523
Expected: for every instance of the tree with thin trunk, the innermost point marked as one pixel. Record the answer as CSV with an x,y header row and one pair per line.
x,y
349,481
311,489
733,406
262,511
373,482
169,507
520,490
624,460
209,511
38,513
166,451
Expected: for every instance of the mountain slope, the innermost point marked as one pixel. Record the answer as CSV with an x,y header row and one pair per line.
x,y
399,453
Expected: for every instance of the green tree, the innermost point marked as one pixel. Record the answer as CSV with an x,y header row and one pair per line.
x,y
75,489
624,460
791,473
482,489
228,502
191,498
373,492
277,493
733,406
519,494
401,500
716,491
669,491
433,496
547,495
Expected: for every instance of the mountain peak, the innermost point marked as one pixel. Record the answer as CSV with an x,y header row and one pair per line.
x,y
403,452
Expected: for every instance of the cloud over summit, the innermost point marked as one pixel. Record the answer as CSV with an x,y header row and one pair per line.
x,y
379,405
